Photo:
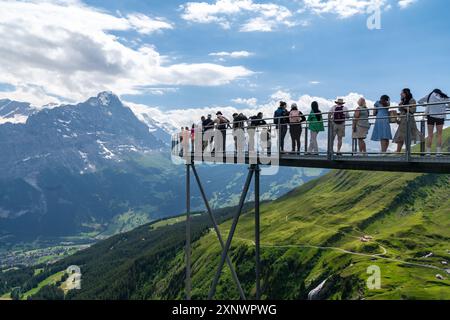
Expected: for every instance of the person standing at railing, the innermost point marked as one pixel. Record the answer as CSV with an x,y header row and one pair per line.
x,y
296,118
222,125
281,119
180,141
239,120
315,124
382,130
436,115
336,123
361,125
193,131
207,126
185,137
407,104
253,123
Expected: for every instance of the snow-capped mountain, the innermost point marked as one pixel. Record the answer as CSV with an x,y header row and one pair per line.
x,y
158,121
82,137
15,111
98,167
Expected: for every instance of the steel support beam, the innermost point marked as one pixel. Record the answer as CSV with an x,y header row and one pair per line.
x,y
188,232
257,234
217,230
232,231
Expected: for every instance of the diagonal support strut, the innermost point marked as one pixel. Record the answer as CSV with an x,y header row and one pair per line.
x,y
232,231
219,236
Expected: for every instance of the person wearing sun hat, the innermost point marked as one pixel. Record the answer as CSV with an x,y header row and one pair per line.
x,y
222,125
337,117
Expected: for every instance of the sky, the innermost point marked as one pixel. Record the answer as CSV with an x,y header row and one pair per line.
x,y
173,57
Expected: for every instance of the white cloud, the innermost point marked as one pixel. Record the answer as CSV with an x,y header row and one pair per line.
x,y
314,82
343,8
67,49
251,102
403,4
262,17
174,119
234,54
281,95
251,16
146,25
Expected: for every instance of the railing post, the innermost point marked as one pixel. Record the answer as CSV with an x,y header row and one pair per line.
x,y
306,138
408,135
330,141
279,137
423,137
188,231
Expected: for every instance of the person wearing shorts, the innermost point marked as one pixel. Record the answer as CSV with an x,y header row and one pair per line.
x,y
339,115
436,114
432,121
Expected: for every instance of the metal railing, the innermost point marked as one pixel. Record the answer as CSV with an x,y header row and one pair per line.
x,y
268,139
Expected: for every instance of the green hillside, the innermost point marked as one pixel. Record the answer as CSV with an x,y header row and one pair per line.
x,y
312,234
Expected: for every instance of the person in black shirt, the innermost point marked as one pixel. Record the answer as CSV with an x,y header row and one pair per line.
x,y
207,125
239,120
281,118
254,122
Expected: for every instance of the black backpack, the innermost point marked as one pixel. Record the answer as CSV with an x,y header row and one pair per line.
x,y
339,115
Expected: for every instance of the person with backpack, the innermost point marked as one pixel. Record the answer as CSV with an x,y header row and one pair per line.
x,y
315,124
207,125
296,118
361,125
239,120
407,105
337,117
253,123
281,119
382,129
222,124
436,115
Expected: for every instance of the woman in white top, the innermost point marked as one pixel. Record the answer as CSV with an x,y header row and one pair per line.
x,y
435,116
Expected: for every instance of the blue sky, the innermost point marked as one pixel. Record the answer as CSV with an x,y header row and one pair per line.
x,y
321,48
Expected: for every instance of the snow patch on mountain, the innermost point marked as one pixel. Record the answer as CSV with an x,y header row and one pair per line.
x,y
14,111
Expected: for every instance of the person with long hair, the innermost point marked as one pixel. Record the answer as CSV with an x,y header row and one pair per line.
x,y
382,129
436,114
407,105
315,124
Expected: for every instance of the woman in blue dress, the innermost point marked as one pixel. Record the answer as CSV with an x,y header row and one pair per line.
x,y
382,129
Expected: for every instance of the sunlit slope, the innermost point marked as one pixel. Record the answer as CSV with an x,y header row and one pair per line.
x,y
314,233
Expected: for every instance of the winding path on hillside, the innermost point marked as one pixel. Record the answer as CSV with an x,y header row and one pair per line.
x,y
376,256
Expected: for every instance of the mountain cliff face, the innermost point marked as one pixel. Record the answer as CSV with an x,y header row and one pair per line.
x,y
74,168
83,137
